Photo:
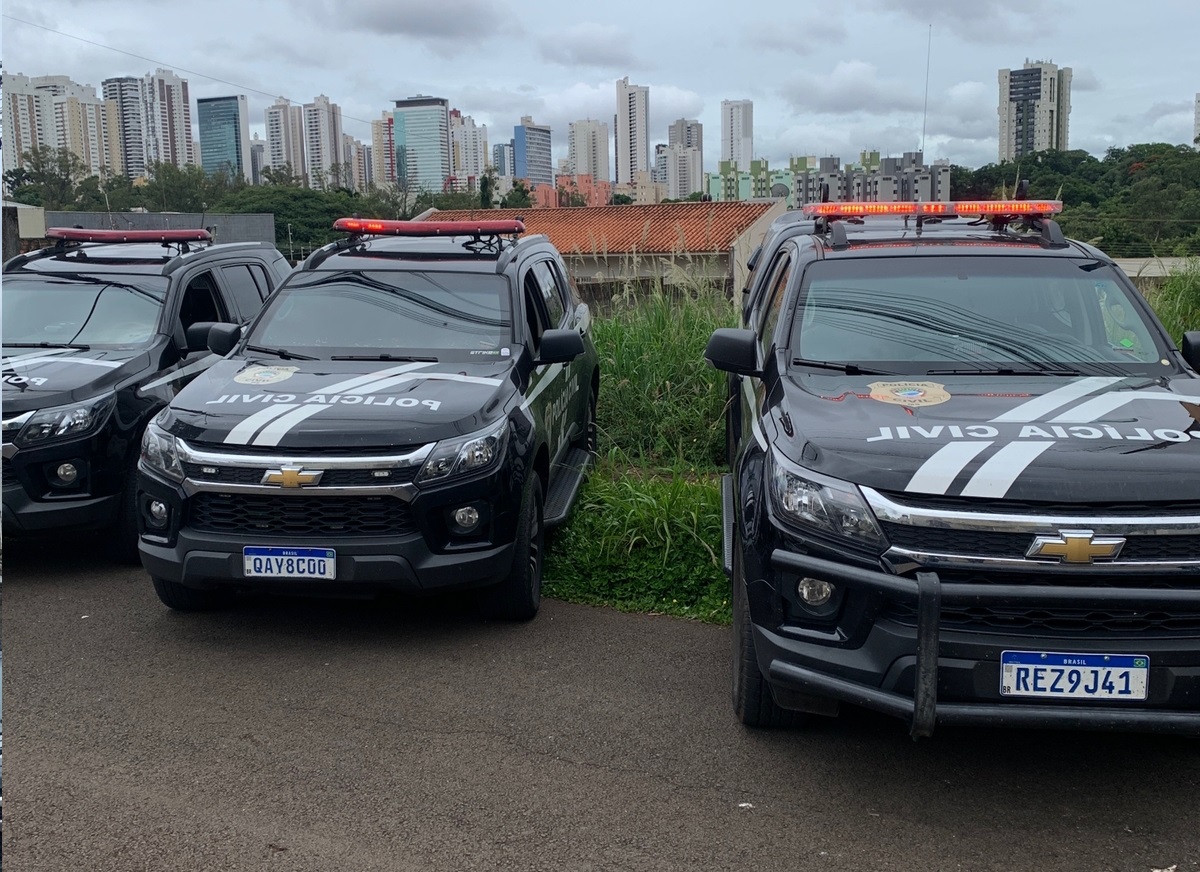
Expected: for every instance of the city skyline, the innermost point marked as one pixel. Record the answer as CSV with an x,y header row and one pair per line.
x,y
865,99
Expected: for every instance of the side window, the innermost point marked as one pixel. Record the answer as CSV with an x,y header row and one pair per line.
x,y
772,271
774,303
201,301
535,316
245,290
551,293
259,272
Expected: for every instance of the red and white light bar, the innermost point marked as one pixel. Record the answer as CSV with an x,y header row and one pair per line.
x,y
954,207
80,234
380,227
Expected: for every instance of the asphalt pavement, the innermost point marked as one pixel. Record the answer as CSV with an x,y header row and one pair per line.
x,y
310,735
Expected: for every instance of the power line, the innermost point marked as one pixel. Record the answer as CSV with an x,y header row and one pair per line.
x,y
168,65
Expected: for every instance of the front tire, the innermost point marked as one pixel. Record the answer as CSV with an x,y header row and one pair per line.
x,y
189,599
519,596
753,703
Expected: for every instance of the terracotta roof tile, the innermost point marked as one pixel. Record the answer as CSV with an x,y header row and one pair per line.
x,y
661,228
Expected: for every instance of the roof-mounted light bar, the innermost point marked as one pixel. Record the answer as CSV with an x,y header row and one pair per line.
x,y
378,227
81,234
954,207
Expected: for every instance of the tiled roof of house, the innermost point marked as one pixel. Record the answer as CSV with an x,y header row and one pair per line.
x,y
661,228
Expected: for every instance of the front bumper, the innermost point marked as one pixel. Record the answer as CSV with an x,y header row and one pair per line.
x,y
92,504
402,560
902,671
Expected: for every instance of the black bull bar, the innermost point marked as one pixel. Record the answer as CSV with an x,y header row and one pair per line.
x,y
922,710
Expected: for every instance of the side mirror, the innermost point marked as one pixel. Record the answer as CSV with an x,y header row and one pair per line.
x,y
1191,349
560,346
195,337
223,337
733,350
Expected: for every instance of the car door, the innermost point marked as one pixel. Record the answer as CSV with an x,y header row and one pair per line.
x,y
558,295
548,395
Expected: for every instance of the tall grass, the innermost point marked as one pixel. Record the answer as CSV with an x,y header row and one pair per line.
x,y
661,404
643,543
1177,300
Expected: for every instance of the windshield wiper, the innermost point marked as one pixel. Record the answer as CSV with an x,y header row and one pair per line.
x,y
280,352
76,345
403,358
1005,371
847,368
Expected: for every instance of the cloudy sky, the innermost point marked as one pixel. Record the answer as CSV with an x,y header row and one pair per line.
x,y
825,79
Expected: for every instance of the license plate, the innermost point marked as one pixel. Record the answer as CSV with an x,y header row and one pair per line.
x,y
1074,676
289,562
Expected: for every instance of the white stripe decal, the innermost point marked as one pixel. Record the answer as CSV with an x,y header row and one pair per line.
x,y
198,366
1034,409
276,430
350,384
1098,407
375,387
84,361
552,372
241,434
937,473
17,358
997,474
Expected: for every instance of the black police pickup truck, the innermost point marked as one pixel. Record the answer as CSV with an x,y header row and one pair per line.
x,y
100,331
410,411
965,484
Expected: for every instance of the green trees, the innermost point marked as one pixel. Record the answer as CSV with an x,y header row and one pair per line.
x,y
1137,201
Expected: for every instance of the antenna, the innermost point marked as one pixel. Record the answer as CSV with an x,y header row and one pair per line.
x,y
925,111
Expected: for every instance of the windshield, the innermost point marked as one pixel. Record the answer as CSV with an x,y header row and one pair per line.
x,y
925,314
387,312
117,310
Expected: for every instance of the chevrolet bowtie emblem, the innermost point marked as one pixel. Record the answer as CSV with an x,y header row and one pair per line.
x,y
1076,546
292,476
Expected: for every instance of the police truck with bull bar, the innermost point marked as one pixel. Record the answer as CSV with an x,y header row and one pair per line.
x,y
965,478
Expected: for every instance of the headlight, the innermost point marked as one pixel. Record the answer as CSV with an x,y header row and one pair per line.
x,y
826,505
160,452
469,453
65,422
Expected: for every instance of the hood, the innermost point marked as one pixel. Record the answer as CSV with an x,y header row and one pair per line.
x,y
40,378
307,404
1041,439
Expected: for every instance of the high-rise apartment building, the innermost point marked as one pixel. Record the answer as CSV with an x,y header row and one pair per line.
x,y
323,144
1196,124
737,131
285,138
224,124
421,133
468,149
1034,110
632,130
356,158
258,159
502,158
690,134
126,93
56,112
168,117
683,171
383,151
587,149
531,152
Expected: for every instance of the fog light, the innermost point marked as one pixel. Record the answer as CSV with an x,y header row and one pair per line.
x,y
67,473
467,518
814,592
158,513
